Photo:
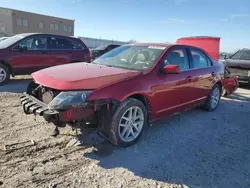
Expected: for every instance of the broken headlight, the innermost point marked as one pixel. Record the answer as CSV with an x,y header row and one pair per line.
x,y
67,99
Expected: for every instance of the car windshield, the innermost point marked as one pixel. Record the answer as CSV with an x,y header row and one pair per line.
x,y
131,57
11,40
102,47
241,55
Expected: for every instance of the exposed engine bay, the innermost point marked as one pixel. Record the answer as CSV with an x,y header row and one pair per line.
x,y
38,100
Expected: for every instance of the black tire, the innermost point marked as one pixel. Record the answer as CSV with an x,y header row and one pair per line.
x,y
208,104
112,127
5,69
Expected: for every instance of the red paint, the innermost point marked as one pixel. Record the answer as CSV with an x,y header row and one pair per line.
x,y
166,93
78,76
28,61
210,44
77,113
171,69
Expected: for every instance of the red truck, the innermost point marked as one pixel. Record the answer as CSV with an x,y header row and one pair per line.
x,y
127,88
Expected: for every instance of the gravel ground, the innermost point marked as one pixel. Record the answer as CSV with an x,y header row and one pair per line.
x,y
194,149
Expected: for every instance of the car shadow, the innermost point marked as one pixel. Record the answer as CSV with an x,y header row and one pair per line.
x,y
239,96
195,148
15,85
245,86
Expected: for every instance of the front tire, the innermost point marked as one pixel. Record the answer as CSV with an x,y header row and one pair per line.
x,y
127,123
213,99
4,74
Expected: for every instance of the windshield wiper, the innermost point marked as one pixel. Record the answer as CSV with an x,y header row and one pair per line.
x,y
108,65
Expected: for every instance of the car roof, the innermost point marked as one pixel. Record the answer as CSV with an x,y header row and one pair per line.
x,y
152,44
167,45
30,34
245,49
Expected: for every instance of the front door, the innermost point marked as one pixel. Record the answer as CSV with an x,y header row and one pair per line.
x,y
33,57
174,92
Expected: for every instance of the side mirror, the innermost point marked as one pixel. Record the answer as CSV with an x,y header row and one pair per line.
x,y
171,69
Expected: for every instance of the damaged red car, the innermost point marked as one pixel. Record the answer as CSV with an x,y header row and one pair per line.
x,y
125,89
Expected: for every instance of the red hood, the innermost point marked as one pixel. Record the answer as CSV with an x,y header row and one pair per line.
x,y
81,76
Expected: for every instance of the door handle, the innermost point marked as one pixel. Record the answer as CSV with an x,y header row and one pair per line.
x,y
44,52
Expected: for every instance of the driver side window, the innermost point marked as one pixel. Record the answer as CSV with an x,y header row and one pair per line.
x,y
34,43
178,57
26,43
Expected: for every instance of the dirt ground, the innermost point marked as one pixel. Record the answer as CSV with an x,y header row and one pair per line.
x,y
195,149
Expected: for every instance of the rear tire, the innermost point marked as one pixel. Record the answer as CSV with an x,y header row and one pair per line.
x,y
4,74
127,123
213,99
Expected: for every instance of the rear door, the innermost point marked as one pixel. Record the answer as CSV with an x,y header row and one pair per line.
x,y
64,50
58,50
202,69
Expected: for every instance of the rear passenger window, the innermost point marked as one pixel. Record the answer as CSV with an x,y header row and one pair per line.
x,y
76,45
64,44
200,60
177,57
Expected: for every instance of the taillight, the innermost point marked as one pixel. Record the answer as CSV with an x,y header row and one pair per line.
x,y
89,56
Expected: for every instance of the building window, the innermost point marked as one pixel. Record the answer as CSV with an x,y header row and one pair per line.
x,y
25,23
54,26
19,22
2,26
69,29
22,22
65,28
41,25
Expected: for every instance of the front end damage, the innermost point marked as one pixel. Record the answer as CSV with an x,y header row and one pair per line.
x,y
66,107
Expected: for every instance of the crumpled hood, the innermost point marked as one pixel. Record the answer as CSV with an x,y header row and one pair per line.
x,y
81,76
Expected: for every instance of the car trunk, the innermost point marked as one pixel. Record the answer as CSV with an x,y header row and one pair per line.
x,y
211,45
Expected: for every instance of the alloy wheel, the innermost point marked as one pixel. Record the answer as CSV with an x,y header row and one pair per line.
x,y
2,74
215,97
131,124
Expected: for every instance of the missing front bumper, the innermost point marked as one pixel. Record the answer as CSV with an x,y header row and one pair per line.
x,y
31,105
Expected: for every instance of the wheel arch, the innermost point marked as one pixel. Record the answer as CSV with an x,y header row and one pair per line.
x,y
219,82
145,101
8,65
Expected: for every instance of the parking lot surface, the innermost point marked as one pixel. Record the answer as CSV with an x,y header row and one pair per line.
x,y
193,149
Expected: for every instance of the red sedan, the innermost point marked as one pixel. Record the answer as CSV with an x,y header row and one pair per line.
x,y
125,89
